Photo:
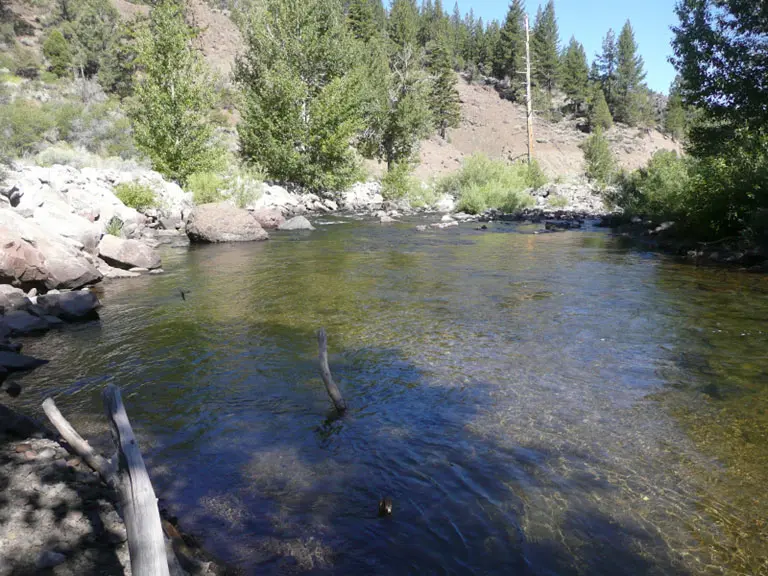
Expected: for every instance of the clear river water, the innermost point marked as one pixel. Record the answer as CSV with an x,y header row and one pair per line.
x,y
549,404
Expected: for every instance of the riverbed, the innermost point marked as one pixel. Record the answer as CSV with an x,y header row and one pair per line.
x,y
533,403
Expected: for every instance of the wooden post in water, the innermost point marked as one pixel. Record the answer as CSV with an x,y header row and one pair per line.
x,y
528,102
146,543
325,372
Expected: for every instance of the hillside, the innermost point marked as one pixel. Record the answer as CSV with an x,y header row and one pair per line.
x,y
489,124
497,127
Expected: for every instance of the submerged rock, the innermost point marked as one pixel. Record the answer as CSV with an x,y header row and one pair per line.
x,y
296,223
21,323
127,254
14,362
223,222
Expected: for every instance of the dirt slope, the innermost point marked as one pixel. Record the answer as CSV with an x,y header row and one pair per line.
x,y
497,128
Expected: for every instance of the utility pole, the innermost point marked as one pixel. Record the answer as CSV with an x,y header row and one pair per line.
x,y
528,90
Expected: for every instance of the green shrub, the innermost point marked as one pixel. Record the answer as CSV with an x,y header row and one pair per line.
x,y
207,187
600,163
56,51
65,116
398,183
135,195
483,183
244,185
23,126
114,227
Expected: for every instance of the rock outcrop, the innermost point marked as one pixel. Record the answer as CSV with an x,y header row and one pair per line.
x,y
128,254
33,257
269,218
223,222
363,196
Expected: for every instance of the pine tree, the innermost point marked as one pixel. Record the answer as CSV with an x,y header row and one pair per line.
x,y
56,51
675,120
403,24
598,115
361,19
174,97
546,48
444,98
488,46
304,85
600,163
470,46
607,62
629,78
460,38
574,73
118,64
509,55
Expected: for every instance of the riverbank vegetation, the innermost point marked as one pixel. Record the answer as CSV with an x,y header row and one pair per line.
x,y
719,189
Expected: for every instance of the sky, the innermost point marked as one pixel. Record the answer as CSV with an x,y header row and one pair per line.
x,y
589,20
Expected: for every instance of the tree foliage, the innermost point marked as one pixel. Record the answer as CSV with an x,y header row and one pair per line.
x,y
509,55
546,48
629,91
173,97
574,73
56,51
89,26
444,98
606,66
600,163
304,87
598,114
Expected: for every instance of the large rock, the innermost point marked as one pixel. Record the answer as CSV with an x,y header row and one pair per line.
x,y
223,222
127,254
22,323
70,306
278,198
13,362
445,203
269,218
363,196
12,299
34,257
296,223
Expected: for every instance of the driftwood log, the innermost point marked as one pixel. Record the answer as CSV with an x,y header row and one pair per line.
x,y
325,372
127,474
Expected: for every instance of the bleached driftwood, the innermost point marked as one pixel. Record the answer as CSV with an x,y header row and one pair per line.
x,y
325,372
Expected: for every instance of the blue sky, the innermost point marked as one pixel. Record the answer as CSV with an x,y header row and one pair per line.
x,y
589,20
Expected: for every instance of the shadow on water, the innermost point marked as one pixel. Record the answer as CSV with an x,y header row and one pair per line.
x,y
510,392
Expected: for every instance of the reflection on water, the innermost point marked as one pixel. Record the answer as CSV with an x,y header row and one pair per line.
x,y
534,404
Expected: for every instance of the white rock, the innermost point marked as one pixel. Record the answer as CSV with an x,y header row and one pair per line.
x,y
445,203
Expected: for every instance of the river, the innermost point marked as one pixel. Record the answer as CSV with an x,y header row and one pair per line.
x,y
533,404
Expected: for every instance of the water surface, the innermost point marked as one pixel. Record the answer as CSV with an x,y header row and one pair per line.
x,y
534,404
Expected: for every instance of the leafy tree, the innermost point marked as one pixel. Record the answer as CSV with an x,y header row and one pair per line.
x,y
118,64
606,64
56,50
600,163
403,24
574,73
546,48
304,86
598,115
629,78
173,97
89,25
444,99
509,55
721,53
402,117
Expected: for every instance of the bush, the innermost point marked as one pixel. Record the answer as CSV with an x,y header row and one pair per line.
x,y
56,51
398,183
114,227
244,186
557,201
23,126
483,183
600,163
206,187
135,195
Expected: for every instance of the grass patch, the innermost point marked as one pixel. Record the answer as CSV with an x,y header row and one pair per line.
x,y
557,201
482,183
135,195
